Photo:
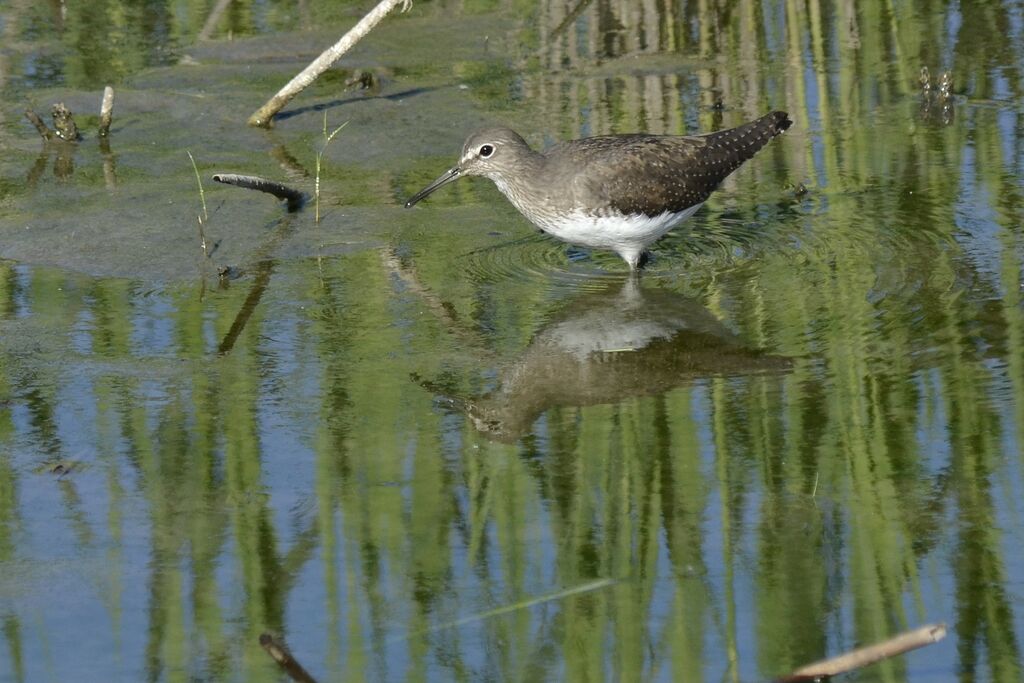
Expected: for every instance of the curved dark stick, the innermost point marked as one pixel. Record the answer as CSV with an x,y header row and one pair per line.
x,y
294,197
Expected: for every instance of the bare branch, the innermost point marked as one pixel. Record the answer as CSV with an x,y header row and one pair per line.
x,y
861,657
106,111
264,116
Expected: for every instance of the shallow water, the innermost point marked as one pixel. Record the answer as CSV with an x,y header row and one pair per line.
x,y
436,445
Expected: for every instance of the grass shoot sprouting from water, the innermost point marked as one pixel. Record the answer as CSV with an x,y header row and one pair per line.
x,y
202,218
319,161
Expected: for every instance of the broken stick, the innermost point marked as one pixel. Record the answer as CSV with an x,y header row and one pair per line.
x,y
861,657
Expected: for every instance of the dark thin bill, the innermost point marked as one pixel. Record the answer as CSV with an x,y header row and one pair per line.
x,y
451,174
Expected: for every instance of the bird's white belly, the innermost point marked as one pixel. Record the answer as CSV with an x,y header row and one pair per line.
x,y
627,235
617,232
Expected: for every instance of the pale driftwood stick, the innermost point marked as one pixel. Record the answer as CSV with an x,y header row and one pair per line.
x,y
106,111
294,198
213,19
861,657
279,651
264,116
41,127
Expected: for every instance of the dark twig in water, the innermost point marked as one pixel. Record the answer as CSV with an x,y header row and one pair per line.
x,y
861,657
41,127
279,651
294,197
64,123
106,111
264,116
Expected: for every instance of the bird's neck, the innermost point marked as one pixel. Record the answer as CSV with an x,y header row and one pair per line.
x,y
525,186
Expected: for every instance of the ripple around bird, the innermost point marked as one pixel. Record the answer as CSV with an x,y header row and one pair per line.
x,y
538,257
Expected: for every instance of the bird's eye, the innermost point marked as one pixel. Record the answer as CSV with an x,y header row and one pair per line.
x,y
486,151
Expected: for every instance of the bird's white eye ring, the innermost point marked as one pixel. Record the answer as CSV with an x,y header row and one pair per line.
x,y
486,150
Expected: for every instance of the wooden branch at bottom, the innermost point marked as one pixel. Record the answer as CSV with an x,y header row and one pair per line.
x,y
279,652
861,657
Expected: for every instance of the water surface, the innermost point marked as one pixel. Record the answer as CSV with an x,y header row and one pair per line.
x,y
435,445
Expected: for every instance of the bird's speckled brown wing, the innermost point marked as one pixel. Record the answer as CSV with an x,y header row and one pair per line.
x,y
649,174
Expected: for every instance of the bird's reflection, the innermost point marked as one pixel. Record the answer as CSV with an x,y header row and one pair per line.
x,y
605,346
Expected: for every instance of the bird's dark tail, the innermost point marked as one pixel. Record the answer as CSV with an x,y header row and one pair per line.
x,y
728,149
777,122
766,127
